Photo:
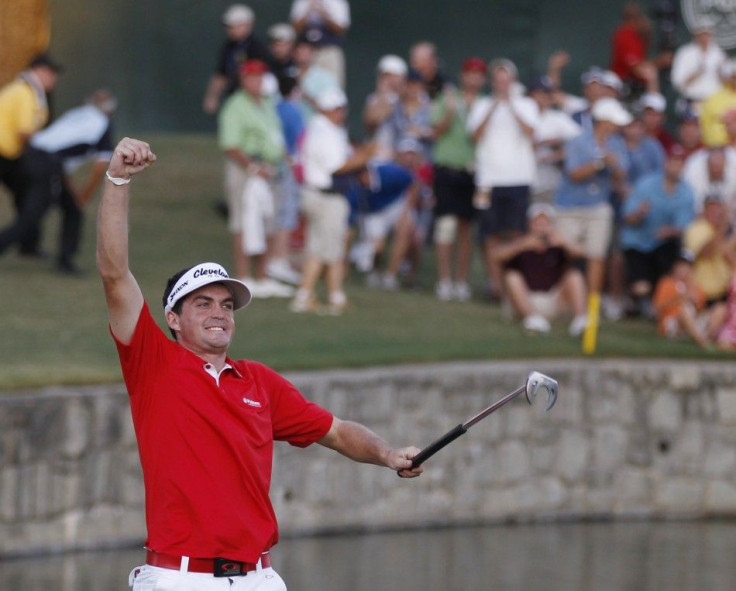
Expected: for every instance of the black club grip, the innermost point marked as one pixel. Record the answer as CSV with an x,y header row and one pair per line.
x,y
433,448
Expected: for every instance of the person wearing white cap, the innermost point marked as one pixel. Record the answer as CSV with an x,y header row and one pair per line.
x,y
241,44
717,105
206,423
695,65
325,23
326,152
391,74
596,163
281,38
502,126
653,109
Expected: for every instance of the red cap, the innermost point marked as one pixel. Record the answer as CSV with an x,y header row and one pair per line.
x,y
475,64
676,150
253,67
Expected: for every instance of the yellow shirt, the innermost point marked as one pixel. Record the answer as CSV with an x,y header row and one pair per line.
x,y
712,274
711,112
22,113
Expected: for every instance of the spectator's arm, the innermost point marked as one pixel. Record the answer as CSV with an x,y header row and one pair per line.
x,y
93,181
504,252
215,88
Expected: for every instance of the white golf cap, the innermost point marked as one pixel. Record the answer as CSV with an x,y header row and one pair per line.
x,y
610,78
331,99
392,64
409,144
541,208
204,274
653,100
238,14
609,109
282,32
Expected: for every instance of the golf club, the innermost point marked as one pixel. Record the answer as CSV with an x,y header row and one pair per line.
x,y
534,381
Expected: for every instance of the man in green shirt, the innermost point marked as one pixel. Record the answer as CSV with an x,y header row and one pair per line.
x,y
453,156
251,136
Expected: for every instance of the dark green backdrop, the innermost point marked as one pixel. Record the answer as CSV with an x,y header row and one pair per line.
x,y
157,55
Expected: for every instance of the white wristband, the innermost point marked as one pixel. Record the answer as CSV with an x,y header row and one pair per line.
x,y
115,180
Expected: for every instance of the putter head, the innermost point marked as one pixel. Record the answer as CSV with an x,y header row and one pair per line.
x,y
537,380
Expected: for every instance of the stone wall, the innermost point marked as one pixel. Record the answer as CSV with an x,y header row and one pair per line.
x,y
626,439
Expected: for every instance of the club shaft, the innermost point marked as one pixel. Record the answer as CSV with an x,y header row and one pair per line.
x,y
496,405
461,429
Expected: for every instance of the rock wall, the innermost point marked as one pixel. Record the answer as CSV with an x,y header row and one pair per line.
x,y
626,439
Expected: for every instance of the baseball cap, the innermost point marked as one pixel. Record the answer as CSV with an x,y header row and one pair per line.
x,y
594,74
676,150
611,79
204,274
713,197
536,209
282,32
237,14
392,64
331,99
506,64
408,144
543,83
688,114
475,64
253,66
609,109
44,60
653,100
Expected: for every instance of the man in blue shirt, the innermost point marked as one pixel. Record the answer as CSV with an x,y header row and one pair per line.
x,y
381,204
596,164
655,215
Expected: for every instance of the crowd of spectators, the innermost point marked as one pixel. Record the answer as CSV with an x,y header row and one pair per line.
x,y
574,198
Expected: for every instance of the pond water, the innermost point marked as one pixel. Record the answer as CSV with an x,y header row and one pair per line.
x,y
636,556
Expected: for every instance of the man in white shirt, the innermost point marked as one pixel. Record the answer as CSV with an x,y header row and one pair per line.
x,y
502,127
554,129
713,172
696,65
326,152
324,23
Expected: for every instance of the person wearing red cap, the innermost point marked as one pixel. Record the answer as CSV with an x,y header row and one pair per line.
x,y
454,186
655,215
206,423
251,137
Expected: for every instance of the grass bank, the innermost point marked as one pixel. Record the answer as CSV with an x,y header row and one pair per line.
x,y
55,328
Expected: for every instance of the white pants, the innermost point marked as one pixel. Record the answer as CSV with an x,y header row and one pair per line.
x,y
153,578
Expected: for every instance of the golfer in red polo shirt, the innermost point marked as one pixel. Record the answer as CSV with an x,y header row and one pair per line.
x,y
206,423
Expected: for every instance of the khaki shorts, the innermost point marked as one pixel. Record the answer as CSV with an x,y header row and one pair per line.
x,y
549,304
235,179
589,228
327,224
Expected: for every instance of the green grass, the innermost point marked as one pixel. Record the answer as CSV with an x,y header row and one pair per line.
x,y
55,329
